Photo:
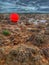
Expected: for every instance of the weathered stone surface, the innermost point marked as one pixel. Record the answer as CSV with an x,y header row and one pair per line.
x,y
28,42
22,55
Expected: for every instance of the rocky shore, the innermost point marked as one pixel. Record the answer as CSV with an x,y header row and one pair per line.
x,y
25,42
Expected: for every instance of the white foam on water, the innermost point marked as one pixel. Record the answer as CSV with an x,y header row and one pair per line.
x,y
43,7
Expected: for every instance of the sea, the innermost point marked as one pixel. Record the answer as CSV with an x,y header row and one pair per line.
x,y
24,6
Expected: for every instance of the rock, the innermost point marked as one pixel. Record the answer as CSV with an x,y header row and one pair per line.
x,y
43,21
2,57
47,31
1,42
31,20
24,55
46,52
33,29
40,39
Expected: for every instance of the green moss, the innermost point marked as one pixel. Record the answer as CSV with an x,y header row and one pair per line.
x,y
6,32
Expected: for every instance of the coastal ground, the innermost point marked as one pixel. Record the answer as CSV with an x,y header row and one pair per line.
x,y
25,42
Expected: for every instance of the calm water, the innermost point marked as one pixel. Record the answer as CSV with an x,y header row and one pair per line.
x,y
24,6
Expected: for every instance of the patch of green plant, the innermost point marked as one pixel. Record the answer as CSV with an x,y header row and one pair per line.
x,y
6,32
